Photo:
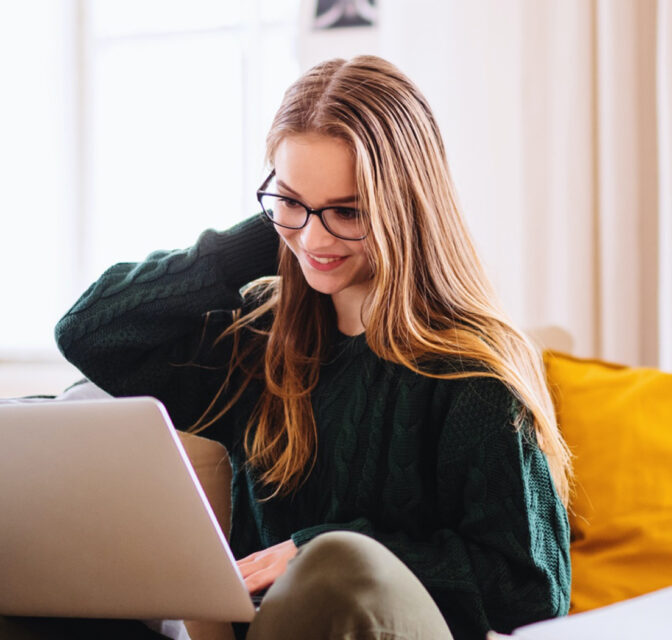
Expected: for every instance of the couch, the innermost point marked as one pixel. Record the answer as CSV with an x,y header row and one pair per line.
x,y
617,421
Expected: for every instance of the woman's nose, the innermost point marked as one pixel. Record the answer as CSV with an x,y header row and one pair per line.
x,y
314,234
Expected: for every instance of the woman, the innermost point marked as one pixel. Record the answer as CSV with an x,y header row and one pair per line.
x,y
371,387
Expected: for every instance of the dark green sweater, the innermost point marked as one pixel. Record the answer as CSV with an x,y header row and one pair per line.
x,y
431,468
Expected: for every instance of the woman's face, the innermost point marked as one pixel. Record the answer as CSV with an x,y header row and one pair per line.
x,y
319,171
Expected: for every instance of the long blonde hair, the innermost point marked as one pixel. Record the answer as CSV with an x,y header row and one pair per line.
x,y
430,296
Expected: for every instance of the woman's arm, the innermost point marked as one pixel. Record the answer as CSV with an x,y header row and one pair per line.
x,y
506,561
136,322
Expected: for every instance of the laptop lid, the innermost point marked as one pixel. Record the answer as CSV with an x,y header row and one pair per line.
x,y
102,515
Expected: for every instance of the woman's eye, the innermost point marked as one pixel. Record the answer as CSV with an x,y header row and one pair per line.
x,y
347,214
288,203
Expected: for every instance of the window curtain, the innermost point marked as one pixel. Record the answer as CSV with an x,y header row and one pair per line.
x,y
557,118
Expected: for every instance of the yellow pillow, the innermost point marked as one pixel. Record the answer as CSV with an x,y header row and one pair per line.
x,y
617,421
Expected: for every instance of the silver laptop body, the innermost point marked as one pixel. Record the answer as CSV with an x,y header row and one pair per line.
x,y
101,515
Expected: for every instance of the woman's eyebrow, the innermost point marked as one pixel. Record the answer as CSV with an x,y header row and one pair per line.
x,y
343,200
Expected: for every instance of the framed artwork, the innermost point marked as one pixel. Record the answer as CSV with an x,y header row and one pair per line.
x,y
337,14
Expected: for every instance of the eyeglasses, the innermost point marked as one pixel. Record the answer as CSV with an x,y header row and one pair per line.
x,y
346,223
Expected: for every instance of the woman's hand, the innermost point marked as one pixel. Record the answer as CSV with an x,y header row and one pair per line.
x,y
262,568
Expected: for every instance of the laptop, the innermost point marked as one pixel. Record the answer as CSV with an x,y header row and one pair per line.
x,y
102,516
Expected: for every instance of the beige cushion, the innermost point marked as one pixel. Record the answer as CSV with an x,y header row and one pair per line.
x,y
213,469
211,464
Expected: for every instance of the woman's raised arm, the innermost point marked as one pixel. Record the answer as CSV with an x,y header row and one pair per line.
x,y
138,320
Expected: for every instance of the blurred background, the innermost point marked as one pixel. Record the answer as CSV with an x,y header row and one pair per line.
x,y
132,125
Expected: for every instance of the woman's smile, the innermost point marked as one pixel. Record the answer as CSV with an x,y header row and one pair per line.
x,y
325,262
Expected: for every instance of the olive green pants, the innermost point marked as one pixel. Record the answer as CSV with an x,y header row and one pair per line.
x,y
347,586
339,586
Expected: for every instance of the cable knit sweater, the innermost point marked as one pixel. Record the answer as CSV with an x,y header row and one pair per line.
x,y
433,469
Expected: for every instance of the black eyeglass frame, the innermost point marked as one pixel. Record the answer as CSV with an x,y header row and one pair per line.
x,y
309,211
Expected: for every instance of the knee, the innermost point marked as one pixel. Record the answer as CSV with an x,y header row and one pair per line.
x,y
339,548
345,565
344,584
346,544
332,586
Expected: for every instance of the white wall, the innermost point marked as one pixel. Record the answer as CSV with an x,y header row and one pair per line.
x,y
467,89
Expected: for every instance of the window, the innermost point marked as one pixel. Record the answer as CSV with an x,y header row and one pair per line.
x,y
135,124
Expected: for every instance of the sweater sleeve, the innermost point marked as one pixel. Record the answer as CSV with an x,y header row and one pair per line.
x,y
131,328
505,562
